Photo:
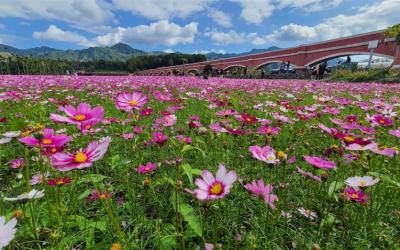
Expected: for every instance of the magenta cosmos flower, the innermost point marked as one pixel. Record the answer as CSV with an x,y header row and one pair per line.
x,y
129,101
81,114
210,187
81,159
149,167
258,188
356,195
48,140
319,162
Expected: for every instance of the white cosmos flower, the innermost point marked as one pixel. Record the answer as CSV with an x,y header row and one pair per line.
x,y
5,140
7,231
33,194
307,213
12,134
358,181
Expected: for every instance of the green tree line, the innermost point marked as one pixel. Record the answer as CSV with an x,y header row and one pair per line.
x,y
18,65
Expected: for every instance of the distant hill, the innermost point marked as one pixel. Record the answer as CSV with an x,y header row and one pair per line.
x,y
215,56
119,52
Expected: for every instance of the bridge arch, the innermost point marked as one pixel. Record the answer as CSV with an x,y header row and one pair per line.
x,y
274,61
192,70
352,53
233,66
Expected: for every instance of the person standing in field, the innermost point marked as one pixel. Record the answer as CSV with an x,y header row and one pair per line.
x,y
321,70
287,67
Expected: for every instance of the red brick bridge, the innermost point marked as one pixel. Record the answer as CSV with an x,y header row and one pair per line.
x,y
300,57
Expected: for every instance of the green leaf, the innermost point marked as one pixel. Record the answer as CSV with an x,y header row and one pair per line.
x,y
188,171
385,178
167,242
190,216
334,186
196,171
101,225
187,148
84,194
92,177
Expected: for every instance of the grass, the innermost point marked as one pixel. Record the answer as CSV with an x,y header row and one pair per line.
x,y
373,75
153,211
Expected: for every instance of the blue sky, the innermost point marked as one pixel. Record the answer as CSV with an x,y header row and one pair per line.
x,y
189,25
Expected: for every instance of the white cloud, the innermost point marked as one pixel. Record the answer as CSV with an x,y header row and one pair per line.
x,y
203,52
162,9
221,18
81,13
54,33
168,51
368,18
309,5
255,11
161,32
225,38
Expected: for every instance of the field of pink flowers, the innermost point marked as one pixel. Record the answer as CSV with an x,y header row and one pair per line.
x,y
186,163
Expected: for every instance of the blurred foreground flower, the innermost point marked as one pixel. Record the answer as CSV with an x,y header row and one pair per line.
x,y
33,194
7,231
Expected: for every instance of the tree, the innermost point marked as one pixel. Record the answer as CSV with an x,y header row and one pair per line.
x,y
394,32
207,70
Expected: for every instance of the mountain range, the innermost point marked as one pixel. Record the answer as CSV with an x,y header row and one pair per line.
x,y
117,52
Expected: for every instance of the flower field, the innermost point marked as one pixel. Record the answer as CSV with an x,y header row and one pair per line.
x,y
186,163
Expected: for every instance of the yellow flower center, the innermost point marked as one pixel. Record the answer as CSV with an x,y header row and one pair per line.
x,y
80,157
381,121
269,131
354,196
59,182
349,138
147,168
216,189
281,154
116,246
133,103
102,196
362,183
46,141
80,117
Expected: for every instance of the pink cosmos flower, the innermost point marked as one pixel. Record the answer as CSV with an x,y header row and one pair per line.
x,y
380,120
307,213
82,113
48,140
267,130
395,132
210,187
81,159
159,138
149,167
362,182
308,174
98,195
359,147
146,112
17,163
38,178
217,128
319,162
356,195
130,101
265,154
258,188
59,181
